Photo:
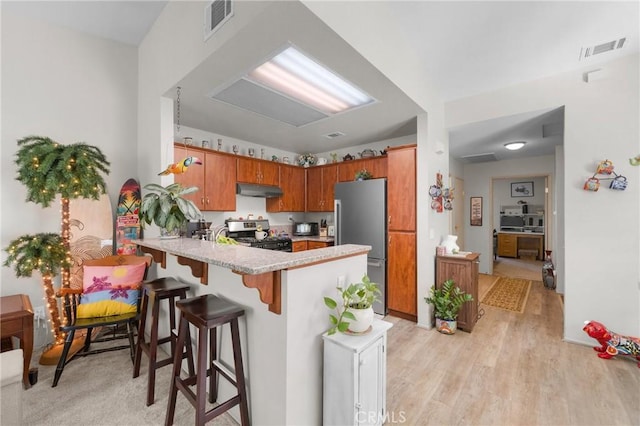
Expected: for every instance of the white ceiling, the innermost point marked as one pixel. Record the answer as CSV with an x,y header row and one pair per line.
x,y
465,47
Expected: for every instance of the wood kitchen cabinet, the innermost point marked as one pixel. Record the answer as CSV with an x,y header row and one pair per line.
x,y
217,192
402,275
463,270
401,237
292,182
320,188
252,170
311,245
401,188
298,245
377,166
507,245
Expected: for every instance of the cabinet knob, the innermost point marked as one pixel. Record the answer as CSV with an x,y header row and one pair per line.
x,y
389,220
202,201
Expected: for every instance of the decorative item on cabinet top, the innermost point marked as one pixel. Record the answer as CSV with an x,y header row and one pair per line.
x,y
605,167
306,160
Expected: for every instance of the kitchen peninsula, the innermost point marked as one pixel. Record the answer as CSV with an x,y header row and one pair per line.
x,y
284,320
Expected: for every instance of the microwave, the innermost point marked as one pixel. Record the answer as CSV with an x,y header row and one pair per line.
x,y
305,228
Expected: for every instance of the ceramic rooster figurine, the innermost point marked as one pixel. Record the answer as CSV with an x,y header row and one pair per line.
x,y
181,167
612,343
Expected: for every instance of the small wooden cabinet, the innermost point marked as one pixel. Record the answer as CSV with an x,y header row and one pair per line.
x,y
377,166
507,245
355,377
217,192
291,181
252,170
463,270
320,188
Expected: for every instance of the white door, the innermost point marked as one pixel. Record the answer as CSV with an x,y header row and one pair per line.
x,y
457,215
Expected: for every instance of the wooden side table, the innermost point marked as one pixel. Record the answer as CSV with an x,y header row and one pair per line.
x,y
16,319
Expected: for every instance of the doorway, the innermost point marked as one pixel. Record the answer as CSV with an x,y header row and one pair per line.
x,y
521,224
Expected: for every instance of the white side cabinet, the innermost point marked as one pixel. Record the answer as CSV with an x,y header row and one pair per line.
x,y
355,377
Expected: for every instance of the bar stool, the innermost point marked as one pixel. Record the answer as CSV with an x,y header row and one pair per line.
x,y
208,312
155,291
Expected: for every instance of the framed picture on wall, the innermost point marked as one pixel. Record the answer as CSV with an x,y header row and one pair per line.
x,y
476,211
522,189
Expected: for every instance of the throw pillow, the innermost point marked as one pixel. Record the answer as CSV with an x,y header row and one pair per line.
x,y
110,290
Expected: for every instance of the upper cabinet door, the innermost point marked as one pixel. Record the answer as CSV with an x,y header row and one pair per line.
x,y
251,170
401,188
377,166
291,181
221,191
248,170
194,176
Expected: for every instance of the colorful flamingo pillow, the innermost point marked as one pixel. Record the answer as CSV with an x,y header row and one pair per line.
x,y
110,290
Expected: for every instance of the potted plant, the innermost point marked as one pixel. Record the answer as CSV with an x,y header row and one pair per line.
x,y
355,314
363,174
447,301
166,207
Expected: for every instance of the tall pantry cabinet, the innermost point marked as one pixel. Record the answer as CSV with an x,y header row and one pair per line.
x,y
401,228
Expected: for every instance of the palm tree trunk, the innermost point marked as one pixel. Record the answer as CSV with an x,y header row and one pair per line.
x,y
65,233
52,306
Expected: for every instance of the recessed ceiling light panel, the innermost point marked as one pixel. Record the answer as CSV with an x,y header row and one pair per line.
x,y
296,75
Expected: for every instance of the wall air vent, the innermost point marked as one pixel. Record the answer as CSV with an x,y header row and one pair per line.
x,y
479,158
333,135
216,14
586,52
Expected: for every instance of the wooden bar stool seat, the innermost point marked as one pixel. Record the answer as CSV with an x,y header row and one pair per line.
x,y
206,313
153,293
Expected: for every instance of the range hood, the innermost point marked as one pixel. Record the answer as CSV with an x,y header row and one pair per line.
x,y
256,190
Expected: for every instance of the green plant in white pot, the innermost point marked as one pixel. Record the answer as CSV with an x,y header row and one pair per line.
x,y
166,207
447,301
355,314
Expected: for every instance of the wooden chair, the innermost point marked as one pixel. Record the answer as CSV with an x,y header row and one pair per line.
x,y
98,325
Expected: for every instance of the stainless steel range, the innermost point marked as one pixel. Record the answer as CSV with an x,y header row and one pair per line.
x,y
243,231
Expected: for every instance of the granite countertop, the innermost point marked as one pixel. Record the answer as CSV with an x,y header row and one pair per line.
x,y
248,260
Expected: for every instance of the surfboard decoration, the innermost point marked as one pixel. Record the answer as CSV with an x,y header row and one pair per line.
x,y
91,235
127,220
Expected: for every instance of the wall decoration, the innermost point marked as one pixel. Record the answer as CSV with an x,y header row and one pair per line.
x,y
441,198
476,211
605,168
522,189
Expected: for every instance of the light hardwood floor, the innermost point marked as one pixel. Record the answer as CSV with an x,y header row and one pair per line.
x,y
513,369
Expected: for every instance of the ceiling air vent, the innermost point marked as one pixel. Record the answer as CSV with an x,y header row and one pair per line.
x,y
479,158
215,15
586,52
333,135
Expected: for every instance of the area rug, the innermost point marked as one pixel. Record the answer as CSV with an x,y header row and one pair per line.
x,y
509,294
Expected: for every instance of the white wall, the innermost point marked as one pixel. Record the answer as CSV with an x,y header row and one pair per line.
x,y
70,87
601,232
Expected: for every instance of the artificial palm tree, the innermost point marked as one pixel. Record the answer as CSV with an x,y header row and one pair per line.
x,y
49,169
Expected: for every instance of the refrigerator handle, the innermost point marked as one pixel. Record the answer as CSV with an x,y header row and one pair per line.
x,y
337,209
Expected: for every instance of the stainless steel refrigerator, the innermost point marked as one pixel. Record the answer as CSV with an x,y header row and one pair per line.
x,y
360,214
